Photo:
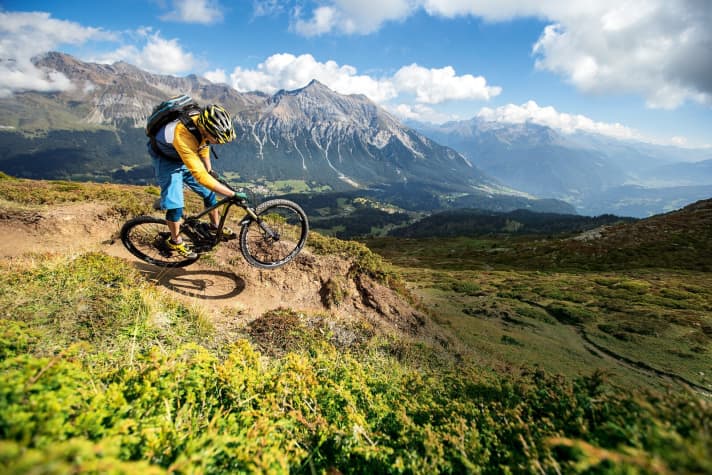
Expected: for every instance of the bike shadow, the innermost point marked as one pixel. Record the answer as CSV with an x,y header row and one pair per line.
x,y
202,284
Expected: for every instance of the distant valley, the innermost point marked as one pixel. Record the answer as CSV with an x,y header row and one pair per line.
x,y
594,173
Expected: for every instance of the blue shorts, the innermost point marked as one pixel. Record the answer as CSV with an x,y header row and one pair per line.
x,y
171,176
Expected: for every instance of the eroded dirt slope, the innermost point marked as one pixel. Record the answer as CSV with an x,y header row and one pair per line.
x,y
230,290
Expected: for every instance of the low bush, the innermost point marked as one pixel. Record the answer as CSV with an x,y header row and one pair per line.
x,y
321,410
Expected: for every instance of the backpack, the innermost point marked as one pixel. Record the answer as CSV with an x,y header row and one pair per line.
x,y
181,107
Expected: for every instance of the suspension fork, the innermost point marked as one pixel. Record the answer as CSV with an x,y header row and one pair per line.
x,y
251,213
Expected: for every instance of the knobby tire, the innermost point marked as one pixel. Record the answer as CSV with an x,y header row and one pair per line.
x,y
143,237
276,237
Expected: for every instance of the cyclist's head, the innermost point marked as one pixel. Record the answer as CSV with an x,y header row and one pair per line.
x,y
216,121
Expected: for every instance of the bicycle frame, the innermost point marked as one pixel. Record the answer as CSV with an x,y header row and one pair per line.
x,y
228,203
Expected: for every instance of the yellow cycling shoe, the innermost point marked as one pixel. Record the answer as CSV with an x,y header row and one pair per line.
x,y
182,248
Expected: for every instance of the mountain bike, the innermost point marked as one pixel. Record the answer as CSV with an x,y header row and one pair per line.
x,y
271,233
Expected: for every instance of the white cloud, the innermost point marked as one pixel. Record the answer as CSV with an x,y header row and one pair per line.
x,y
217,76
550,117
351,16
203,12
659,49
433,86
286,71
323,21
679,141
25,35
421,113
428,86
267,7
157,55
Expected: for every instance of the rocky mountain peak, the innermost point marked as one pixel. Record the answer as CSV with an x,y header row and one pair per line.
x,y
317,103
311,133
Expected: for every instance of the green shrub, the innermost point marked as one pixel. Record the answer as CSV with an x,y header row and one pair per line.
x,y
466,288
322,410
570,314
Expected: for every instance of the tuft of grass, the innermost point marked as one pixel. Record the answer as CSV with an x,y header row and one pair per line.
x,y
333,292
364,260
97,299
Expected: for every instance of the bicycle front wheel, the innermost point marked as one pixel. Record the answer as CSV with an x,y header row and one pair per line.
x,y
276,236
145,237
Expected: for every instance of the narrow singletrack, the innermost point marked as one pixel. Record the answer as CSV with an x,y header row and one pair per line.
x,y
641,367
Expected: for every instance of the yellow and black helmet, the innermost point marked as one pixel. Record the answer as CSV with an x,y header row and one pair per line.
x,y
216,121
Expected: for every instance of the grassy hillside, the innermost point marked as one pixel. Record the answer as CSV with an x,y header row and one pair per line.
x,y
103,372
477,222
101,154
635,299
676,240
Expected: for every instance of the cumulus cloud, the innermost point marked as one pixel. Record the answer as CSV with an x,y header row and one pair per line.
x,y
217,76
351,16
156,54
428,86
433,86
659,49
420,112
203,12
24,35
287,71
550,117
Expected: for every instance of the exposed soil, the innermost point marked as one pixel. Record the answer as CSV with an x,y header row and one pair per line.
x,y
228,289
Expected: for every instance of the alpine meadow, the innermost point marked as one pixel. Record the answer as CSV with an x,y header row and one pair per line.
x,y
489,284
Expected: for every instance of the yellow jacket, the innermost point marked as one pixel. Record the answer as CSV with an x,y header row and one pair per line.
x,y
195,156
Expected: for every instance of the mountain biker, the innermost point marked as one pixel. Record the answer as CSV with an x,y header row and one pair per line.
x,y
182,159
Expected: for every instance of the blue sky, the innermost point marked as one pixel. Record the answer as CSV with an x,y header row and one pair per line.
x,y
638,69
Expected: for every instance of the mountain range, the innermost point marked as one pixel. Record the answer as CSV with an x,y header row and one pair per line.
x,y
597,174
318,140
313,136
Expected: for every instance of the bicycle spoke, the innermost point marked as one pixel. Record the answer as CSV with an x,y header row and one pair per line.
x,y
277,237
145,238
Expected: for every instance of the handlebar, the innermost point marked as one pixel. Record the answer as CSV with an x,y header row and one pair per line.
x,y
241,196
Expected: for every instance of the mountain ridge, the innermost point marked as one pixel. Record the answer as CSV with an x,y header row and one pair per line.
x,y
313,135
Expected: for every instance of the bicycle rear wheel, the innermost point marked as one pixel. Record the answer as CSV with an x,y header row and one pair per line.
x,y
145,236
276,237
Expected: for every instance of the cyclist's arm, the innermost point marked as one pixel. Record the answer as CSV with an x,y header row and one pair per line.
x,y
204,153
196,160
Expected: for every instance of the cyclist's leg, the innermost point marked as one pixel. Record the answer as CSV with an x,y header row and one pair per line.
x,y
209,199
170,179
208,196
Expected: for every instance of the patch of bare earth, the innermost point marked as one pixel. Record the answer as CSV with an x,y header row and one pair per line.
x,y
231,292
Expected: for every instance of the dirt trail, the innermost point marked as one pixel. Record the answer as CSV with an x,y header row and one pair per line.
x,y
639,366
224,285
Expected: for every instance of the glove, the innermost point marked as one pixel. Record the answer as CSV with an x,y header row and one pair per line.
x,y
240,196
